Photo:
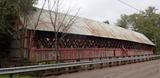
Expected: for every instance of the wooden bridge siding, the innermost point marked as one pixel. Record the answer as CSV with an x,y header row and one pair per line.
x,y
83,47
37,55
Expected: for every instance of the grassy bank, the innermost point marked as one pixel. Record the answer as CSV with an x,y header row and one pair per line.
x,y
15,76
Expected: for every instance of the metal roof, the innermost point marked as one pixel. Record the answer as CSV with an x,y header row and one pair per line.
x,y
84,26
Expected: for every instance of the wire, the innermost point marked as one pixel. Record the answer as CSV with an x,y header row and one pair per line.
x,y
129,5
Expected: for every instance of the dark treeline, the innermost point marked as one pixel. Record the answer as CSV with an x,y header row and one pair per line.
x,y
10,10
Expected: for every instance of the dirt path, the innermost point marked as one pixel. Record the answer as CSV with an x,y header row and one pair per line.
x,y
149,69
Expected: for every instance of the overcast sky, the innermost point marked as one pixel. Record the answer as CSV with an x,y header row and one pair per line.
x,y
111,10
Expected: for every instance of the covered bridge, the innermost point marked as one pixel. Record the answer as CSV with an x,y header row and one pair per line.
x,y
85,39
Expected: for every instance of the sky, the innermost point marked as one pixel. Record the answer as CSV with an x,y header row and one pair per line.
x,y
101,10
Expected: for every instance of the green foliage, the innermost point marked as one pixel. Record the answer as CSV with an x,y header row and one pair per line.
x,y
15,76
107,22
10,10
146,22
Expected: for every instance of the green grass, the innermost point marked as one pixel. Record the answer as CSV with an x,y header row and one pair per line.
x,y
4,76
15,76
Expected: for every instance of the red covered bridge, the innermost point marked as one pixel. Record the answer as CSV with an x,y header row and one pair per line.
x,y
86,40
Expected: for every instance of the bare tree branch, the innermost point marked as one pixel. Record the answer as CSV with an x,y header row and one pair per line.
x,y
40,14
61,22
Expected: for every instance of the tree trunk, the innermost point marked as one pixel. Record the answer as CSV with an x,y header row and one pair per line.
x,y
56,47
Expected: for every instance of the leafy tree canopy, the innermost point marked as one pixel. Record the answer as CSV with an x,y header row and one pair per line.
x,y
146,22
10,10
107,22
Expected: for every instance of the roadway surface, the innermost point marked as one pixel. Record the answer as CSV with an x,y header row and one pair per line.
x,y
149,69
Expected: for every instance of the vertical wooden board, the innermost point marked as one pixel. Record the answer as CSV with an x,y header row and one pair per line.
x,y
148,52
50,57
99,53
85,54
91,53
82,54
110,52
70,54
145,52
61,54
103,52
65,54
106,53
118,52
132,52
74,54
77,55
96,53
129,52
135,52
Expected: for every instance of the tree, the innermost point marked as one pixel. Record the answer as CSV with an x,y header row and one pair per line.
x,y
123,22
146,22
61,22
107,22
11,12
25,15
22,10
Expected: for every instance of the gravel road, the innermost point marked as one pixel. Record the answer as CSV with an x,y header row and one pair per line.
x,y
150,69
